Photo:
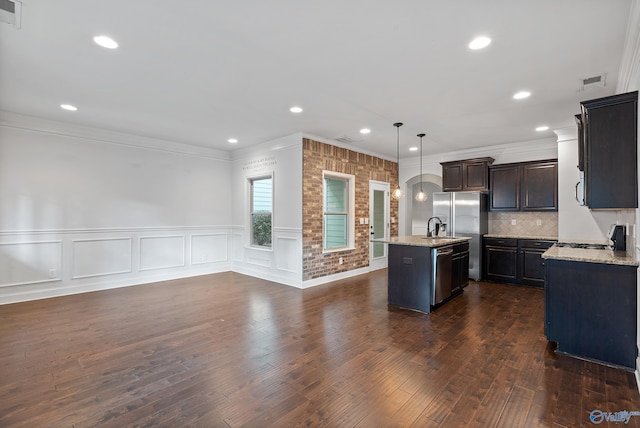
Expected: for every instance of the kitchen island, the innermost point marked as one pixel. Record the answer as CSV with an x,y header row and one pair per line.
x,y
425,272
590,304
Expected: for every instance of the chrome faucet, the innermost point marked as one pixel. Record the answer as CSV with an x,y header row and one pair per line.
x,y
437,227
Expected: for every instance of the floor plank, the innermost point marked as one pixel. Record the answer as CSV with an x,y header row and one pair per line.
x,y
227,350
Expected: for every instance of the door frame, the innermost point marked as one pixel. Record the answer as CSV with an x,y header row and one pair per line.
x,y
376,263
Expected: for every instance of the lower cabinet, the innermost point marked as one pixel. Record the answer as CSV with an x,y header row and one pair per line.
x,y
590,311
515,261
460,268
500,259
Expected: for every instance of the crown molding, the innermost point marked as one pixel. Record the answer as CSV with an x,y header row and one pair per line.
x,y
46,126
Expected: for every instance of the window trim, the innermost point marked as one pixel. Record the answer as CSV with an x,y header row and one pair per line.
x,y
351,201
249,217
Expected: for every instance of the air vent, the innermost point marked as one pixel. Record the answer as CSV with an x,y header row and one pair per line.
x,y
347,139
11,12
593,82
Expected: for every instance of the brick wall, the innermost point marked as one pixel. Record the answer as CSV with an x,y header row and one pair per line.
x,y
316,158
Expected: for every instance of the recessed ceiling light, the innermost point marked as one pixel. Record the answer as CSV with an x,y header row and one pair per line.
x,y
105,42
232,140
365,131
521,95
68,107
542,128
413,149
479,43
295,110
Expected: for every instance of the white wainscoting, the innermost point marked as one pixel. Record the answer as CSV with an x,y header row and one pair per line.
x,y
282,263
30,262
49,263
97,257
162,252
209,248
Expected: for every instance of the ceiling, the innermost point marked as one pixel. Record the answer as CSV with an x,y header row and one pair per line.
x,y
201,72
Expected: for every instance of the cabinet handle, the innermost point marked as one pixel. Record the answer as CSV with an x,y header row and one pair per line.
x,y
577,184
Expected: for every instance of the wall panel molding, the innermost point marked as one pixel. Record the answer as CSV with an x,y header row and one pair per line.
x,y
209,248
101,256
162,252
30,262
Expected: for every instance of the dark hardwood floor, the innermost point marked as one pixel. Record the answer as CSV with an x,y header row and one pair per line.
x,y
228,350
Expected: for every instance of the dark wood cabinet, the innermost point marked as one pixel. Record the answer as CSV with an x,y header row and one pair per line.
x,y
610,127
409,277
580,142
527,186
515,261
501,259
466,175
460,268
530,262
540,186
505,188
591,311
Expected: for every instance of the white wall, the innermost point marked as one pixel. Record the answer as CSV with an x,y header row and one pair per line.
x,y
83,210
283,158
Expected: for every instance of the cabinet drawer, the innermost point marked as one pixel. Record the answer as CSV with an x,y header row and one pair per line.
x,y
536,244
501,242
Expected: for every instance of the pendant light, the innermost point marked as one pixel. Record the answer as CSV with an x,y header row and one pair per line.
x,y
421,196
397,194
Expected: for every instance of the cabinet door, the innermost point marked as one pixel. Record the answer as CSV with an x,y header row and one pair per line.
x,y
475,176
501,263
540,187
505,188
452,177
460,271
611,175
532,267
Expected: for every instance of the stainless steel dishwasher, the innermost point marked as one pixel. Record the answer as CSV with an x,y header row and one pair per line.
x,y
442,259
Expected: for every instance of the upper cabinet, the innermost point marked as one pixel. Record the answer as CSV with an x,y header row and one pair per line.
x,y
609,152
527,186
466,175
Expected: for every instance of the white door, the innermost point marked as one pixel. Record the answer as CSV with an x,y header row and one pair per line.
x,y
378,223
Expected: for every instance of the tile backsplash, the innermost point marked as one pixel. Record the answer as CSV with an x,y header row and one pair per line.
x,y
543,224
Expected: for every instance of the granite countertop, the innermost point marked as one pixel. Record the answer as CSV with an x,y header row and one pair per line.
x,y
592,256
502,235
422,241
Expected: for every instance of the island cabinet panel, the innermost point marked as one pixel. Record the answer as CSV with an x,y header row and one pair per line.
x,y
409,277
460,267
591,312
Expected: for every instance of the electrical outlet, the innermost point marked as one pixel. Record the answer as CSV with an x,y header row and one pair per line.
x,y
538,222
513,222
52,273
340,260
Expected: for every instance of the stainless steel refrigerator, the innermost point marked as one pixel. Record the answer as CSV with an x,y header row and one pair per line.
x,y
465,214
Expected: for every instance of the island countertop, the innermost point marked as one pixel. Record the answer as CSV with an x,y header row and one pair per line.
x,y
423,241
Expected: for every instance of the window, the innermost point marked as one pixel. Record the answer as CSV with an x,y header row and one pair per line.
x,y
261,211
338,222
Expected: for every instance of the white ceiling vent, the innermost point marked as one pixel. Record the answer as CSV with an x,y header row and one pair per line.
x,y
347,139
593,82
11,12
